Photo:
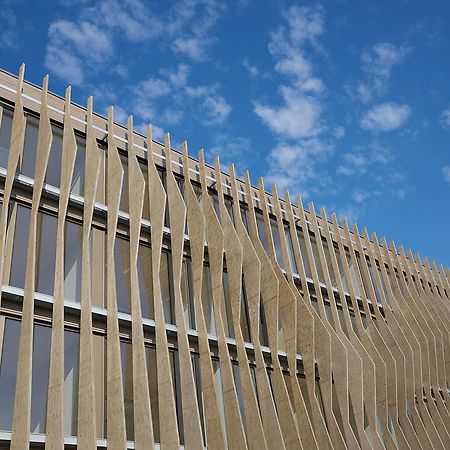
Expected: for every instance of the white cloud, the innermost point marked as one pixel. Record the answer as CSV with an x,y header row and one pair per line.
x,y
84,43
251,69
8,29
377,64
445,118
360,195
386,117
446,173
204,102
297,117
75,46
362,159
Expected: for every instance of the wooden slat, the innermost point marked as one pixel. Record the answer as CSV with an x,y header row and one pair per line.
x,y
166,400
22,403
87,430
55,403
143,427
115,409
177,215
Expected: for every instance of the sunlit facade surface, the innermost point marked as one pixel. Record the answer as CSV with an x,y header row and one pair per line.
x,y
150,300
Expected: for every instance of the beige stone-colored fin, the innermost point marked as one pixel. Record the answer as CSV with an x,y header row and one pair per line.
x,y
55,402
22,403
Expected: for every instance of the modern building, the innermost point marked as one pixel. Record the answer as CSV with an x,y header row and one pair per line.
x,y
149,300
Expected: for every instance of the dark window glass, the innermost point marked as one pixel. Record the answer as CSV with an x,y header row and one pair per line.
x,y
5,135
8,371
153,388
207,301
21,221
30,146
46,253
73,261
71,357
127,380
124,193
277,243
187,294
122,267
53,175
77,185
165,274
41,364
145,281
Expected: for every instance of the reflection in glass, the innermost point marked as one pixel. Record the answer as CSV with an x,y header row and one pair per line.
x,y
122,268
72,261
71,355
53,175
145,281
19,254
77,185
46,253
207,301
165,274
41,364
5,136
127,380
30,146
8,371
187,294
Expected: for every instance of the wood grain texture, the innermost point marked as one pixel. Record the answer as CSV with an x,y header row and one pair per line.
x,y
55,403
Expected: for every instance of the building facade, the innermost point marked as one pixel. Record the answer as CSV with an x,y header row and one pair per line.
x,y
152,301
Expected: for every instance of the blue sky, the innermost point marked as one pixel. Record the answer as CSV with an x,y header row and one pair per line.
x,y
346,102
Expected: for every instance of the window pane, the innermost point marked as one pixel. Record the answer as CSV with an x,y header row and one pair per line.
x,y
187,295
145,281
207,301
41,364
8,372
122,266
53,175
73,261
165,274
5,136
30,147
124,193
127,380
46,253
19,256
277,243
77,185
71,356
153,388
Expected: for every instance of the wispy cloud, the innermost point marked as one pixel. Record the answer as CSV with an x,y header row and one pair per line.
x,y
8,26
204,102
445,118
446,173
94,32
386,117
296,119
377,64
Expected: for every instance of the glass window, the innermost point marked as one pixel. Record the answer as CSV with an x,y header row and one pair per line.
x,y
152,373
20,250
207,301
187,294
41,364
122,268
263,336
8,372
175,366
262,231
165,274
46,253
71,357
5,135
127,380
77,185
99,384
290,248
198,385
303,253
30,146
53,175
146,206
277,243
145,281
124,193
72,261
237,382
245,320
227,314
